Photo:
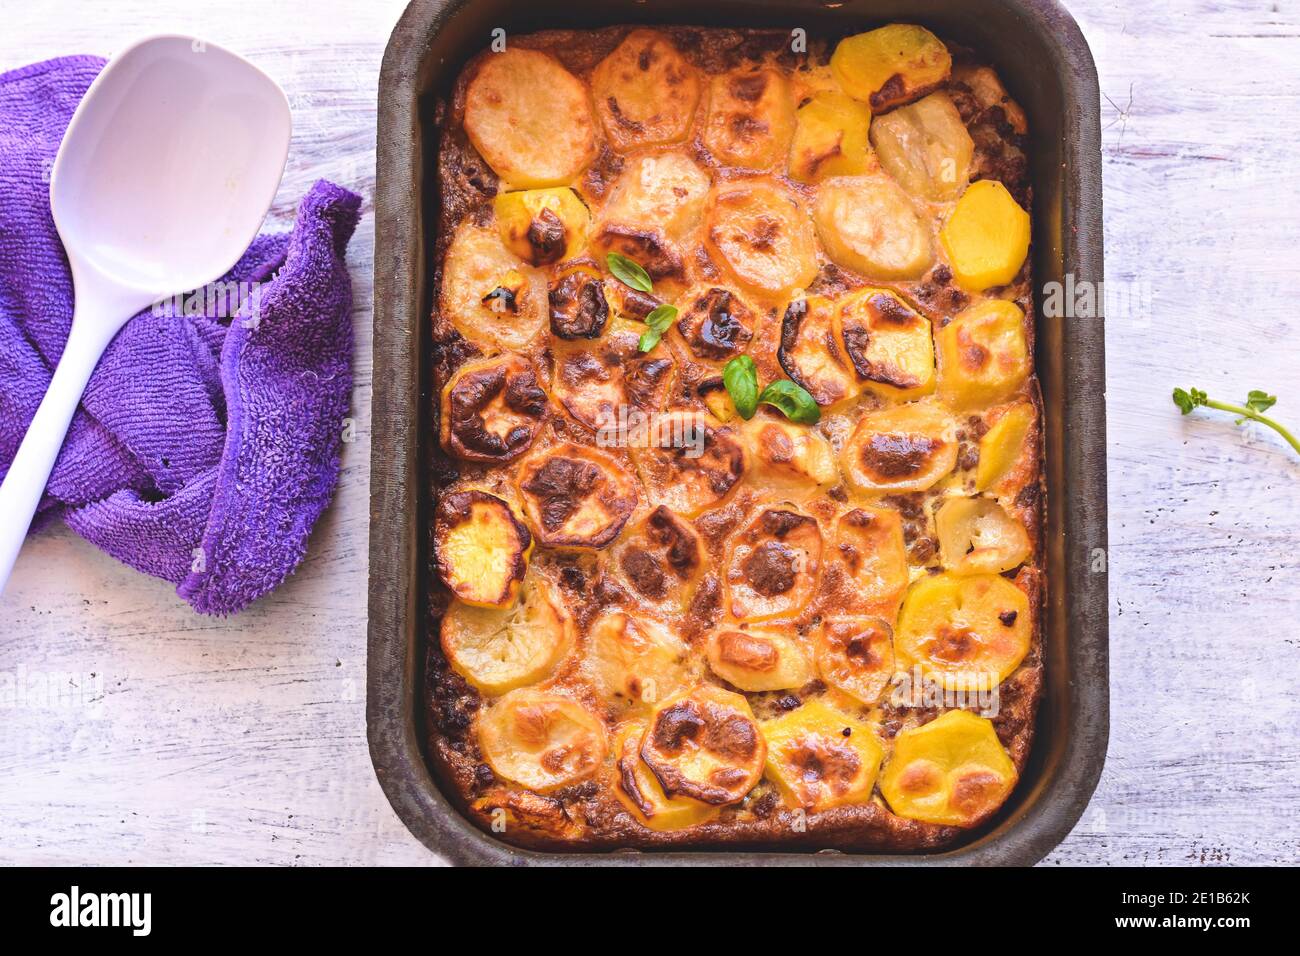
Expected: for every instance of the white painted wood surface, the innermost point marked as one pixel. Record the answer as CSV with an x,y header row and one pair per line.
x,y
174,738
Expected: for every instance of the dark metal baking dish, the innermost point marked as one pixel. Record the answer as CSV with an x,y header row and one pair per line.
x,y
1044,61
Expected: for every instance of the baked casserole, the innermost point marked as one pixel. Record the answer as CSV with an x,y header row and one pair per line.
x,y
738,507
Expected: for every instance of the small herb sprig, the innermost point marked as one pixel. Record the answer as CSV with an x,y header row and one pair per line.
x,y
1257,403
631,274
740,377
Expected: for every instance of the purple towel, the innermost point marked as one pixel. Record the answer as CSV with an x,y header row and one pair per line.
x,y
207,444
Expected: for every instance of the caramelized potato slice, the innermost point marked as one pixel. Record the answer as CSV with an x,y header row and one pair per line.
x,y
715,325
751,118
542,226
774,563
951,771
661,560
868,225
1002,445
491,409
830,139
530,118
758,660
575,497
889,344
925,147
706,745
906,448
595,379
890,65
653,208
645,92
497,650
986,237
638,789
762,233
976,536
812,351
855,655
788,457
541,741
688,462
870,547
490,295
820,758
635,661
579,309
968,632
482,548
983,356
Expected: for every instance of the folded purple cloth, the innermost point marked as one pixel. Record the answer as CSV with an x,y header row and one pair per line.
x,y
207,444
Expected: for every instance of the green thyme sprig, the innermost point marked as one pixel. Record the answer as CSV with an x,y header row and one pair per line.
x,y
1257,403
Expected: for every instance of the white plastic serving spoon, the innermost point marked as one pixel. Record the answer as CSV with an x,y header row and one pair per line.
x,y
164,176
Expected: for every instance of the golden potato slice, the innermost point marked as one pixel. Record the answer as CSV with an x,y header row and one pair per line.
x,y
751,118
491,409
645,92
757,660
482,548
855,655
605,382
497,650
762,233
812,351
1002,445
661,560
638,789
986,237
867,224
689,462
575,497
635,661
579,309
870,548
714,324
890,65
820,758
530,118
983,356
951,771
490,295
969,632
541,741
653,207
774,563
977,536
925,147
542,226
830,139
889,344
706,745
906,448
788,457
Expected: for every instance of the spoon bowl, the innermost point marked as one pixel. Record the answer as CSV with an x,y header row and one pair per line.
x,y
164,177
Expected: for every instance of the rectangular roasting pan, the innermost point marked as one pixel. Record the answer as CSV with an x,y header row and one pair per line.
x,y
1044,61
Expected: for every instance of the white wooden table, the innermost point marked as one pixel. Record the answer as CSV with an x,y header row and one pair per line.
x,y
148,734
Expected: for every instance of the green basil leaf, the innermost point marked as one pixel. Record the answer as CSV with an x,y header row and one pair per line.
x,y
649,339
661,317
740,377
629,273
1260,401
793,400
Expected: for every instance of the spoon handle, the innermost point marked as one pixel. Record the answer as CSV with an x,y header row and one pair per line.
x,y
21,491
